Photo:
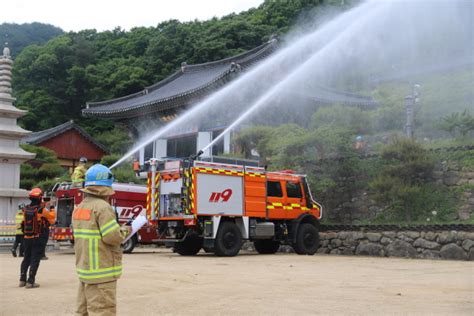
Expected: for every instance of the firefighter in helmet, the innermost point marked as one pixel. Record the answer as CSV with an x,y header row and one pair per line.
x,y
97,237
33,215
77,177
18,233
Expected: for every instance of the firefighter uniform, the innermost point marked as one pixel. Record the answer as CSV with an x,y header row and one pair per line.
x,y
77,177
32,244
46,221
97,237
18,234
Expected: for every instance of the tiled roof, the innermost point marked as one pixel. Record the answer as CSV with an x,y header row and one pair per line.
x,y
179,89
41,136
193,82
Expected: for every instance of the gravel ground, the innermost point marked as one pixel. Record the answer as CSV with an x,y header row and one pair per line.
x,y
157,281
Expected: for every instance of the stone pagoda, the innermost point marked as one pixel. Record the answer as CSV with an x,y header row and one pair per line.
x,y
11,155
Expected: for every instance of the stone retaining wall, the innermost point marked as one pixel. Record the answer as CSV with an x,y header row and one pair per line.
x,y
430,245
450,245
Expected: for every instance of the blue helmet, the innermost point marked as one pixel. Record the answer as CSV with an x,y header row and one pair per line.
x,y
99,175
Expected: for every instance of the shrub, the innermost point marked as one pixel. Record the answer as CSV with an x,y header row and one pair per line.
x,y
402,181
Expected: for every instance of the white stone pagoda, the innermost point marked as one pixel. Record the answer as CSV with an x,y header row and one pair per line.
x,y
11,155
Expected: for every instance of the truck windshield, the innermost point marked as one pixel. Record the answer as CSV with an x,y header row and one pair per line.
x,y
293,190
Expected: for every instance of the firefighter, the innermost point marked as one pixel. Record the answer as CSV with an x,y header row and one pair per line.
x,y
97,237
31,225
18,233
359,143
136,167
44,235
77,177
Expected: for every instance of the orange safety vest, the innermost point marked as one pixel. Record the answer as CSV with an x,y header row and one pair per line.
x,y
136,166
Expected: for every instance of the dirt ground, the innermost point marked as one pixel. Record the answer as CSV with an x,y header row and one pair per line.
x,y
156,281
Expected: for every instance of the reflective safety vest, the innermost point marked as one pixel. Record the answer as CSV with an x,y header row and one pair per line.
x,y
18,221
97,239
79,173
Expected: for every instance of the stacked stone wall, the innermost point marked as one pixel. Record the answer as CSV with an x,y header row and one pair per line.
x,y
449,245
453,245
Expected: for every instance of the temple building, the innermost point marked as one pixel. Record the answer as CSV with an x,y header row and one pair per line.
x,y
69,142
11,155
165,100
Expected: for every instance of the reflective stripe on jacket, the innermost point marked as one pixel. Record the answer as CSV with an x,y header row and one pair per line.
x,y
18,221
97,239
79,173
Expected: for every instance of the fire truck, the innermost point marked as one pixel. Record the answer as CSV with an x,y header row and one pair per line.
x,y
128,202
213,206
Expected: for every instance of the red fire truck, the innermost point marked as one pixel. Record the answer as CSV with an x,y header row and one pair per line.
x,y
215,206
128,201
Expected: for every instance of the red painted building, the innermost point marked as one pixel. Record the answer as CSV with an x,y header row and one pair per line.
x,y
70,142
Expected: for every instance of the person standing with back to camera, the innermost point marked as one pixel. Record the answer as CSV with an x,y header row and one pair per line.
x,y
33,215
97,237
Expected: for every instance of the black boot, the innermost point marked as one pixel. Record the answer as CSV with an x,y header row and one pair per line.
x,y
30,284
13,252
22,280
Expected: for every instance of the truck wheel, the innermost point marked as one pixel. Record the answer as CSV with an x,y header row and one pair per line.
x,y
190,246
266,246
129,245
307,240
228,240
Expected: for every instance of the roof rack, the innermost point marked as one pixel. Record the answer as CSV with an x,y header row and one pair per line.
x,y
232,161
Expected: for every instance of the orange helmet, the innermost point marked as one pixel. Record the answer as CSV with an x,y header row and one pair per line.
x,y
36,193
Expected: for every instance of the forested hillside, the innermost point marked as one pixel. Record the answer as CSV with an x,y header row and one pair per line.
x,y
54,80
19,36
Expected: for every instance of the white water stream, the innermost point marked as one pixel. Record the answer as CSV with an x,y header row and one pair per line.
x,y
376,38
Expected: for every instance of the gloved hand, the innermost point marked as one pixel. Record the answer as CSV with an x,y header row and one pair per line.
x,y
125,230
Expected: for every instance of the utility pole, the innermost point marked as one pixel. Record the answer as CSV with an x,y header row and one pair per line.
x,y
410,102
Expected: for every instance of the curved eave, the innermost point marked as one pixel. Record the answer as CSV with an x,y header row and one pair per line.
x,y
173,102
245,60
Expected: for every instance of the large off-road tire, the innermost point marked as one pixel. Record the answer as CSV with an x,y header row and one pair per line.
x,y
190,246
129,245
266,246
307,239
228,240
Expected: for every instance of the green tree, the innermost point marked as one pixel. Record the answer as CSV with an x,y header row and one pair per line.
x,y
462,123
43,171
22,35
401,183
118,141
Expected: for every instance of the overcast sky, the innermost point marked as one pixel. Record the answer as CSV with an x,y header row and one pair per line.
x,y
75,15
